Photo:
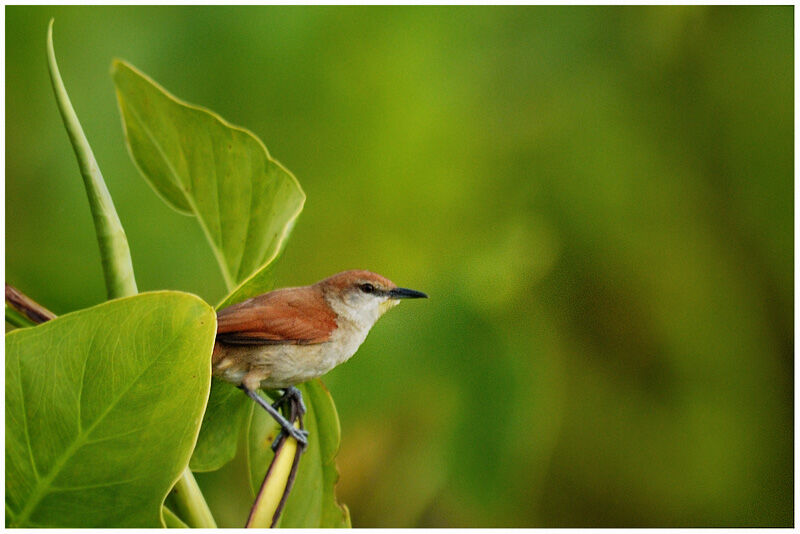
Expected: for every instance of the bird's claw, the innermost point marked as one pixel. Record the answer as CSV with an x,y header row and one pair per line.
x,y
301,436
291,393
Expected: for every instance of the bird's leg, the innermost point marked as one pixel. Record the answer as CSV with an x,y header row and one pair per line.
x,y
291,394
286,427
293,398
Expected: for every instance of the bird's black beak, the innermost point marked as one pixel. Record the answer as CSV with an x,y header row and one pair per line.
x,y
403,293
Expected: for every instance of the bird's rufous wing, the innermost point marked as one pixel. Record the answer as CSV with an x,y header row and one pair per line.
x,y
295,316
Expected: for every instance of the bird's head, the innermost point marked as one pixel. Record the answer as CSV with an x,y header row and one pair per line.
x,y
363,296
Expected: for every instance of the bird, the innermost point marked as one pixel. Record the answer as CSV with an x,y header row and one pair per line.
x,y
288,336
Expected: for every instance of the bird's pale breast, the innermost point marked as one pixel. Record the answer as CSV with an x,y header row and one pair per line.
x,y
284,365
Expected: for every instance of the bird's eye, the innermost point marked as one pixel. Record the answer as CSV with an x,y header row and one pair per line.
x,y
367,288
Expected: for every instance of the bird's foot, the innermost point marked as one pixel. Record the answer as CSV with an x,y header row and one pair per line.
x,y
294,399
300,435
287,428
291,394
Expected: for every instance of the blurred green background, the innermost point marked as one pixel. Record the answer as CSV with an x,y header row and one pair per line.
x,y
599,202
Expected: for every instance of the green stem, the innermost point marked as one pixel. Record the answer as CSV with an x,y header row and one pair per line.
x,y
189,502
116,257
171,520
114,251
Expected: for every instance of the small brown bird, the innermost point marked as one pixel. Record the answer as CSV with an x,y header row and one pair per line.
x,y
289,336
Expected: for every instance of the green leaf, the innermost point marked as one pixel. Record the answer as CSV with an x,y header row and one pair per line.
x,y
227,410
312,502
260,282
114,251
245,201
103,407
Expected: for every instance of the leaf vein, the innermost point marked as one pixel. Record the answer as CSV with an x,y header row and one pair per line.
x,y
25,421
56,489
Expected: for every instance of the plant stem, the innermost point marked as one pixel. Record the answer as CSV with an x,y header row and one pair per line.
x,y
116,256
267,506
114,251
172,520
279,479
189,502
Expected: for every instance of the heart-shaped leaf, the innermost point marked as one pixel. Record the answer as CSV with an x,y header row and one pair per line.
x,y
245,201
103,407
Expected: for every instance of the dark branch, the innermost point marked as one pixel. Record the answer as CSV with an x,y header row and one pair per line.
x,y
25,305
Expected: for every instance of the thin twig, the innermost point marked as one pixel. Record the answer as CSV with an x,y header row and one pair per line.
x,y
25,305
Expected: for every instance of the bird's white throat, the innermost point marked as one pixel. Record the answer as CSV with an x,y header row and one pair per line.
x,y
361,310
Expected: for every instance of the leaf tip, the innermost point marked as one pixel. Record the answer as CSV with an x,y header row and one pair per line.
x,y
118,67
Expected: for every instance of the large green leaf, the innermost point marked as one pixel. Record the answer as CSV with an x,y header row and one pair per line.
x,y
245,201
312,502
103,407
